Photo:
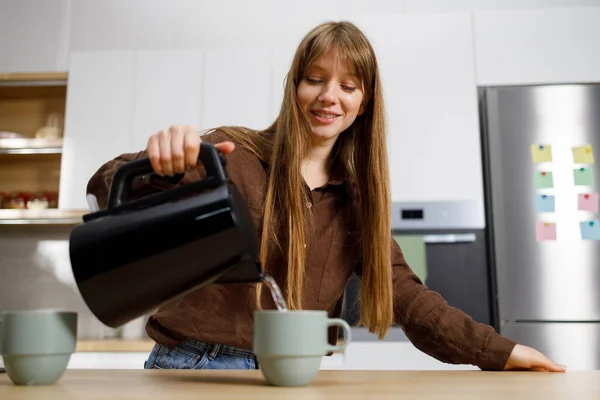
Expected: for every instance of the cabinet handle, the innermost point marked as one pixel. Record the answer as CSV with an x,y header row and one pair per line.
x,y
450,238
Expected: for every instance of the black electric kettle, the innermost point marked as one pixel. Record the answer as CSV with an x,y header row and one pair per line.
x,y
134,256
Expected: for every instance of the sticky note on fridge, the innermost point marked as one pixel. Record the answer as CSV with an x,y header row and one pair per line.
x,y
583,154
545,231
590,230
588,202
544,203
541,153
543,179
583,176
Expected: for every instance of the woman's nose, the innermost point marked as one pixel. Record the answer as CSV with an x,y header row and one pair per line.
x,y
327,94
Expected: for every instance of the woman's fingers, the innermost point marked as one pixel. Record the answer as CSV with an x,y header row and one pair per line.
x,y
176,149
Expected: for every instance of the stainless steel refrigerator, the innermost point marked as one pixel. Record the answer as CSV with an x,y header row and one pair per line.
x,y
538,144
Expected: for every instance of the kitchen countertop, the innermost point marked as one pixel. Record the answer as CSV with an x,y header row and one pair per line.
x,y
347,385
118,345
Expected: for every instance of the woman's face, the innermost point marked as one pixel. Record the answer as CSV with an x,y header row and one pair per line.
x,y
330,96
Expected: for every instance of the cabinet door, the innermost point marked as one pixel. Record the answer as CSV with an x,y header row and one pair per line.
x,y
236,88
168,91
98,122
427,68
33,35
543,46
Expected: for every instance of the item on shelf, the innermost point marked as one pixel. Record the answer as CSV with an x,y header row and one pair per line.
x,y
21,200
51,196
38,202
43,200
52,128
17,200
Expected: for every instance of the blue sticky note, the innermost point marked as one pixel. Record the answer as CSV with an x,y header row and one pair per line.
x,y
543,180
544,203
583,176
590,230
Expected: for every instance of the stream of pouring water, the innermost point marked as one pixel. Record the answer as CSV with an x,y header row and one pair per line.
x,y
275,293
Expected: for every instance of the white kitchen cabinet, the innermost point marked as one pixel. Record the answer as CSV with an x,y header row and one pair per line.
x,y
33,35
551,46
236,88
168,90
158,24
117,99
427,69
98,121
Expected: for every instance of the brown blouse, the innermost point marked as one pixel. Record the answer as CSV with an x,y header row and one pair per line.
x,y
222,314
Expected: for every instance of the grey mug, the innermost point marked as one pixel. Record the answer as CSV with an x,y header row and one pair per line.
x,y
290,345
36,345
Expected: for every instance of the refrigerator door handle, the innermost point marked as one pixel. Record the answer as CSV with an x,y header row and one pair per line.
x,y
450,238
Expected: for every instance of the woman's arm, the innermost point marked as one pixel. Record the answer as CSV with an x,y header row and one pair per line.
x,y
448,334
439,330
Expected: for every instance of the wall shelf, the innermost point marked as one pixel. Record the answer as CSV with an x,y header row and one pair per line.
x,y
32,110
31,146
34,79
50,216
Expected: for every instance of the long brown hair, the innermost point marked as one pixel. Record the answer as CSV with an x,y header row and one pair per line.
x,y
360,150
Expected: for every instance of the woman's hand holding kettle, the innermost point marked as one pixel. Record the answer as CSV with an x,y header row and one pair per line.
x,y
175,149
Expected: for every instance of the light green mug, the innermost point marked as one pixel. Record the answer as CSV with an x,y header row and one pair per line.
x,y
36,345
290,345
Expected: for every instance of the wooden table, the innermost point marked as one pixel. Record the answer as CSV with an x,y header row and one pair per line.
x,y
347,385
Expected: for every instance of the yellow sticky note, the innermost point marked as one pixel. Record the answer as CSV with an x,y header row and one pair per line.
x,y
583,154
541,153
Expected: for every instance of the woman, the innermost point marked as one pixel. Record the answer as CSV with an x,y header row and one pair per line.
x,y
316,182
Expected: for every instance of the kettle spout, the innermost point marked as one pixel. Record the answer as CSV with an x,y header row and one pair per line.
x,y
246,271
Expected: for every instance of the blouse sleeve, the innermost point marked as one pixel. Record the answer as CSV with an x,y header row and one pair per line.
x,y
439,330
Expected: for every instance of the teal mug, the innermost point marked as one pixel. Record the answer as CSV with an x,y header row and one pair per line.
x,y
289,345
36,345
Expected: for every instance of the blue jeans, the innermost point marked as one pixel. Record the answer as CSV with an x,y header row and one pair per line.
x,y
190,354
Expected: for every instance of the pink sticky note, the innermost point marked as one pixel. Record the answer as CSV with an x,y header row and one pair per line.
x,y
588,202
545,231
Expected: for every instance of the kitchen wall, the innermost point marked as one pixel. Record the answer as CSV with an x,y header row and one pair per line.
x,y
35,272
38,36
433,54
138,65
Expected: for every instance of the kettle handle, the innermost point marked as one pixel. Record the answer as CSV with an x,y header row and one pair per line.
x,y
212,159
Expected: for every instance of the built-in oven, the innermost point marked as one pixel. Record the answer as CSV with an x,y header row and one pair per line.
x,y
445,243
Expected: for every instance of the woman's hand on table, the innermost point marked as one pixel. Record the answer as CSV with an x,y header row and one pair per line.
x,y
525,358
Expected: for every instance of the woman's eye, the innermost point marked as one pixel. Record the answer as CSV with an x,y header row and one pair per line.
x,y
314,80
348,88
